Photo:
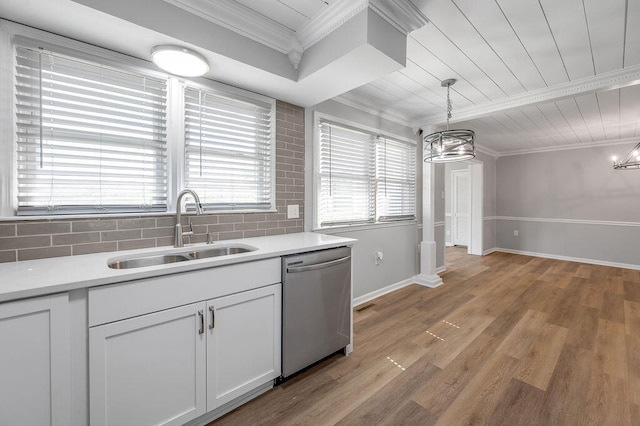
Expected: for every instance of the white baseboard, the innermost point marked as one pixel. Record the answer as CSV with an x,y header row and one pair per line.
x,y
377,293
441,269
570,259
448,244
489,251
431,281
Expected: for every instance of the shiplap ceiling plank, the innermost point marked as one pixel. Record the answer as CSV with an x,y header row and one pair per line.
x,y
590,110
606,20
569,26
571,113
609,104
489,21
530,24
629,111
279,12
307,8
502,48
529,127
449,54
556,118
632,40
546,129
418,56
412,88
445,16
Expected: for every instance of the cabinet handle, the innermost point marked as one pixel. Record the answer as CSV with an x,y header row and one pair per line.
x,y
213,317
201,316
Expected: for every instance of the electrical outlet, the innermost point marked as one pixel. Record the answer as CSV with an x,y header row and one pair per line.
x,y
379,256
515,232
293,211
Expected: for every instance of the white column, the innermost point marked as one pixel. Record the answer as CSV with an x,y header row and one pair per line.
x,y
428,276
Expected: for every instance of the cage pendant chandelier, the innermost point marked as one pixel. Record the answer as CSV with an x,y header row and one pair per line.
x,y
449,145
632,161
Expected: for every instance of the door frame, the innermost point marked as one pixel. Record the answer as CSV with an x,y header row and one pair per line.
x,y
476,221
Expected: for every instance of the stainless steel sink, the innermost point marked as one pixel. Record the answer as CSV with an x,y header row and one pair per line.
x,y
217,251
163,259
153,260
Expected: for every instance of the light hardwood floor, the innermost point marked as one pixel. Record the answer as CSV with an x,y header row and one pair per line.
x,y
507,340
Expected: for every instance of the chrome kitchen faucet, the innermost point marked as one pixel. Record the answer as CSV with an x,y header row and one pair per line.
x,y
179,233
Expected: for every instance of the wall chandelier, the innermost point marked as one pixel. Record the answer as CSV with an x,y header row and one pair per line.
x,y
449,145
632,161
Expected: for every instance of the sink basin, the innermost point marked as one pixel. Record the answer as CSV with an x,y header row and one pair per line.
x,y
217,251
194,254
139,262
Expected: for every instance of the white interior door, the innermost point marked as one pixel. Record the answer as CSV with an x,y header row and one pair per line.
x,y
460,207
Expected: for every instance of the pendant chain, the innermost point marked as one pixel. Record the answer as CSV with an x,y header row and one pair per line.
x,y
449,105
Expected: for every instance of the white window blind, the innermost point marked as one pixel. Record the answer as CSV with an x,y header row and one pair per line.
x,y
346,193
229,143
396,172
91,138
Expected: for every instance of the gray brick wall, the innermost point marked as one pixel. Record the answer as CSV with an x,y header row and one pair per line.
x,y
28,239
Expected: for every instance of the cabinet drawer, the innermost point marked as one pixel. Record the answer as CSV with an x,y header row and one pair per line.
x,y
129,299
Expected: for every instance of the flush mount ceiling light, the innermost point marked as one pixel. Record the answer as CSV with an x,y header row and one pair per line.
x,y
632,161
449,145
179,61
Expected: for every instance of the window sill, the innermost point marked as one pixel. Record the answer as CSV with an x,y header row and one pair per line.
x,y
123,215
368,226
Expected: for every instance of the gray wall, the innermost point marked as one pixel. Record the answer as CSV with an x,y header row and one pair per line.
x,y
569,203
398,242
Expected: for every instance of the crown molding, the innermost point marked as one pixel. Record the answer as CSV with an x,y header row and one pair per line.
x,y
238,18
402,14
329,20
484,150
234,16
616,79
362,104
571,146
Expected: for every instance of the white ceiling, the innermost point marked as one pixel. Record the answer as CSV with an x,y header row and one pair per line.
x,y
532,74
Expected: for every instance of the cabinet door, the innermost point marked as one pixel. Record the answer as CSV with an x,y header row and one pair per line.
x,y
148,370
35,375
243,343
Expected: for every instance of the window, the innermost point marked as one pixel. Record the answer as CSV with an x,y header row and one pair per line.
x,y
90,138
229,145
396,171
363,177
97,132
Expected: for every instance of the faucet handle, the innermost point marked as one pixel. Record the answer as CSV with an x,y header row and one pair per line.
x,y
211,238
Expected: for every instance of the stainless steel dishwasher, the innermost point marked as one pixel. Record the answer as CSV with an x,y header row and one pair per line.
x,y
316,306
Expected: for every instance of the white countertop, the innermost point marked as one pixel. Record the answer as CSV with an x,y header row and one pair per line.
x,y
46,276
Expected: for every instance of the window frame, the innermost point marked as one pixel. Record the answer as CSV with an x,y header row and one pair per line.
x,y
175,119
210,85
319,117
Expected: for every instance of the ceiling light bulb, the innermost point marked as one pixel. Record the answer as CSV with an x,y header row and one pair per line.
x,y
614,158
179,61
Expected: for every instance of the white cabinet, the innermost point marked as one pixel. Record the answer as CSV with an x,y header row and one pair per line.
x,y
149,369
35,375
171,366
243,343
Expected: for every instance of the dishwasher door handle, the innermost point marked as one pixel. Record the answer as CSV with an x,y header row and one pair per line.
x,y
318,265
